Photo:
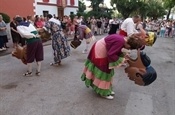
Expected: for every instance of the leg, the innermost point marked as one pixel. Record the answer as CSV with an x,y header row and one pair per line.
x,y
5,41
86,49
38,68
39,56
56,50
161,31
31,50
163,34
29,70
2,44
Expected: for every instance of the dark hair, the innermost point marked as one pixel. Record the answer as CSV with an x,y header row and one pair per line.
x,y
149,77
24,19
134,42
145,59
29,17
49,16
18,19
36,16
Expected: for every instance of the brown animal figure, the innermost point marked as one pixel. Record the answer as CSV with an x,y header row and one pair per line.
x,y
20,53
44,35
140,71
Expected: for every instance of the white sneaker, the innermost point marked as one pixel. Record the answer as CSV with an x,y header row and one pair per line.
x,y
108,97
112,93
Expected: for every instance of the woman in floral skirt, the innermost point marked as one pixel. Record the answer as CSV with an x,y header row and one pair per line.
x,y
60,45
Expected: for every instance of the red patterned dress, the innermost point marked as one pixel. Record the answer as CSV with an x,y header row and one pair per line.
x,y
104,56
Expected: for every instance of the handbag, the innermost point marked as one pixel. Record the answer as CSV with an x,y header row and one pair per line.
x,y
44,35
75,42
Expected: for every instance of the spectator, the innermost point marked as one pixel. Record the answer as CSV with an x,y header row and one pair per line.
x,y
3,34
14,33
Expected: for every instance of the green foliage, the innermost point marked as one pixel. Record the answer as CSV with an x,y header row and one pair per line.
x,y
169,4
155,9
96,11
150,8
72,15
6,18
95,4
81,6
126,7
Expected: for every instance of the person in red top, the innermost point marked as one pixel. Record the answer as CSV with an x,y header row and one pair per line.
x,y
38,22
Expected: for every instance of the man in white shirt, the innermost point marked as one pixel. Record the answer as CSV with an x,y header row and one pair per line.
x,y
128,26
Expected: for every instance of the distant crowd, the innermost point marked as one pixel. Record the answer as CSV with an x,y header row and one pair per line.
x,y
98,26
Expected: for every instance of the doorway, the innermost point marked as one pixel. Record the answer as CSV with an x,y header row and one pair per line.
x,y
60,12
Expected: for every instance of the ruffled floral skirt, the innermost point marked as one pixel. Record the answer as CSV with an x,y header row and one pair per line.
x,y
97,74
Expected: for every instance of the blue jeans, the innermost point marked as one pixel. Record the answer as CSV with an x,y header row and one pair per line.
x,y
1,42
162,33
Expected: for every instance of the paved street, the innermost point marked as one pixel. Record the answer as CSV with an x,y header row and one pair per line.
x,y
60,91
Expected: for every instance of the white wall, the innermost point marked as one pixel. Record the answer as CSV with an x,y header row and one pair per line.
x,y
40,8
67,10
53,9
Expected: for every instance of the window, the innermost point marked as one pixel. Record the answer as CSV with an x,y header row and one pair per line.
x,y
72,2
71,13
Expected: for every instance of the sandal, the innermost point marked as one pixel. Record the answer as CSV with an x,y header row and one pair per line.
x,y
38,73
56,64
52,64
27,74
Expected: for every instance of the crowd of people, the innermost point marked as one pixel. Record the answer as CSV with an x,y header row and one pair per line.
x,y
98,26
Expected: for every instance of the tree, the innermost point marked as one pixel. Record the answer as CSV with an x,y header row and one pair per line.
x,y
6,18
151,8
155,9
168,4
81,6
127,7
95,8
142,9
95,4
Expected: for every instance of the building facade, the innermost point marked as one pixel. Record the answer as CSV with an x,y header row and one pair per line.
x,y
23,8
58,8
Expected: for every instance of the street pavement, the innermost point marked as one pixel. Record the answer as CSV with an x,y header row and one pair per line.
x,y
60,91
